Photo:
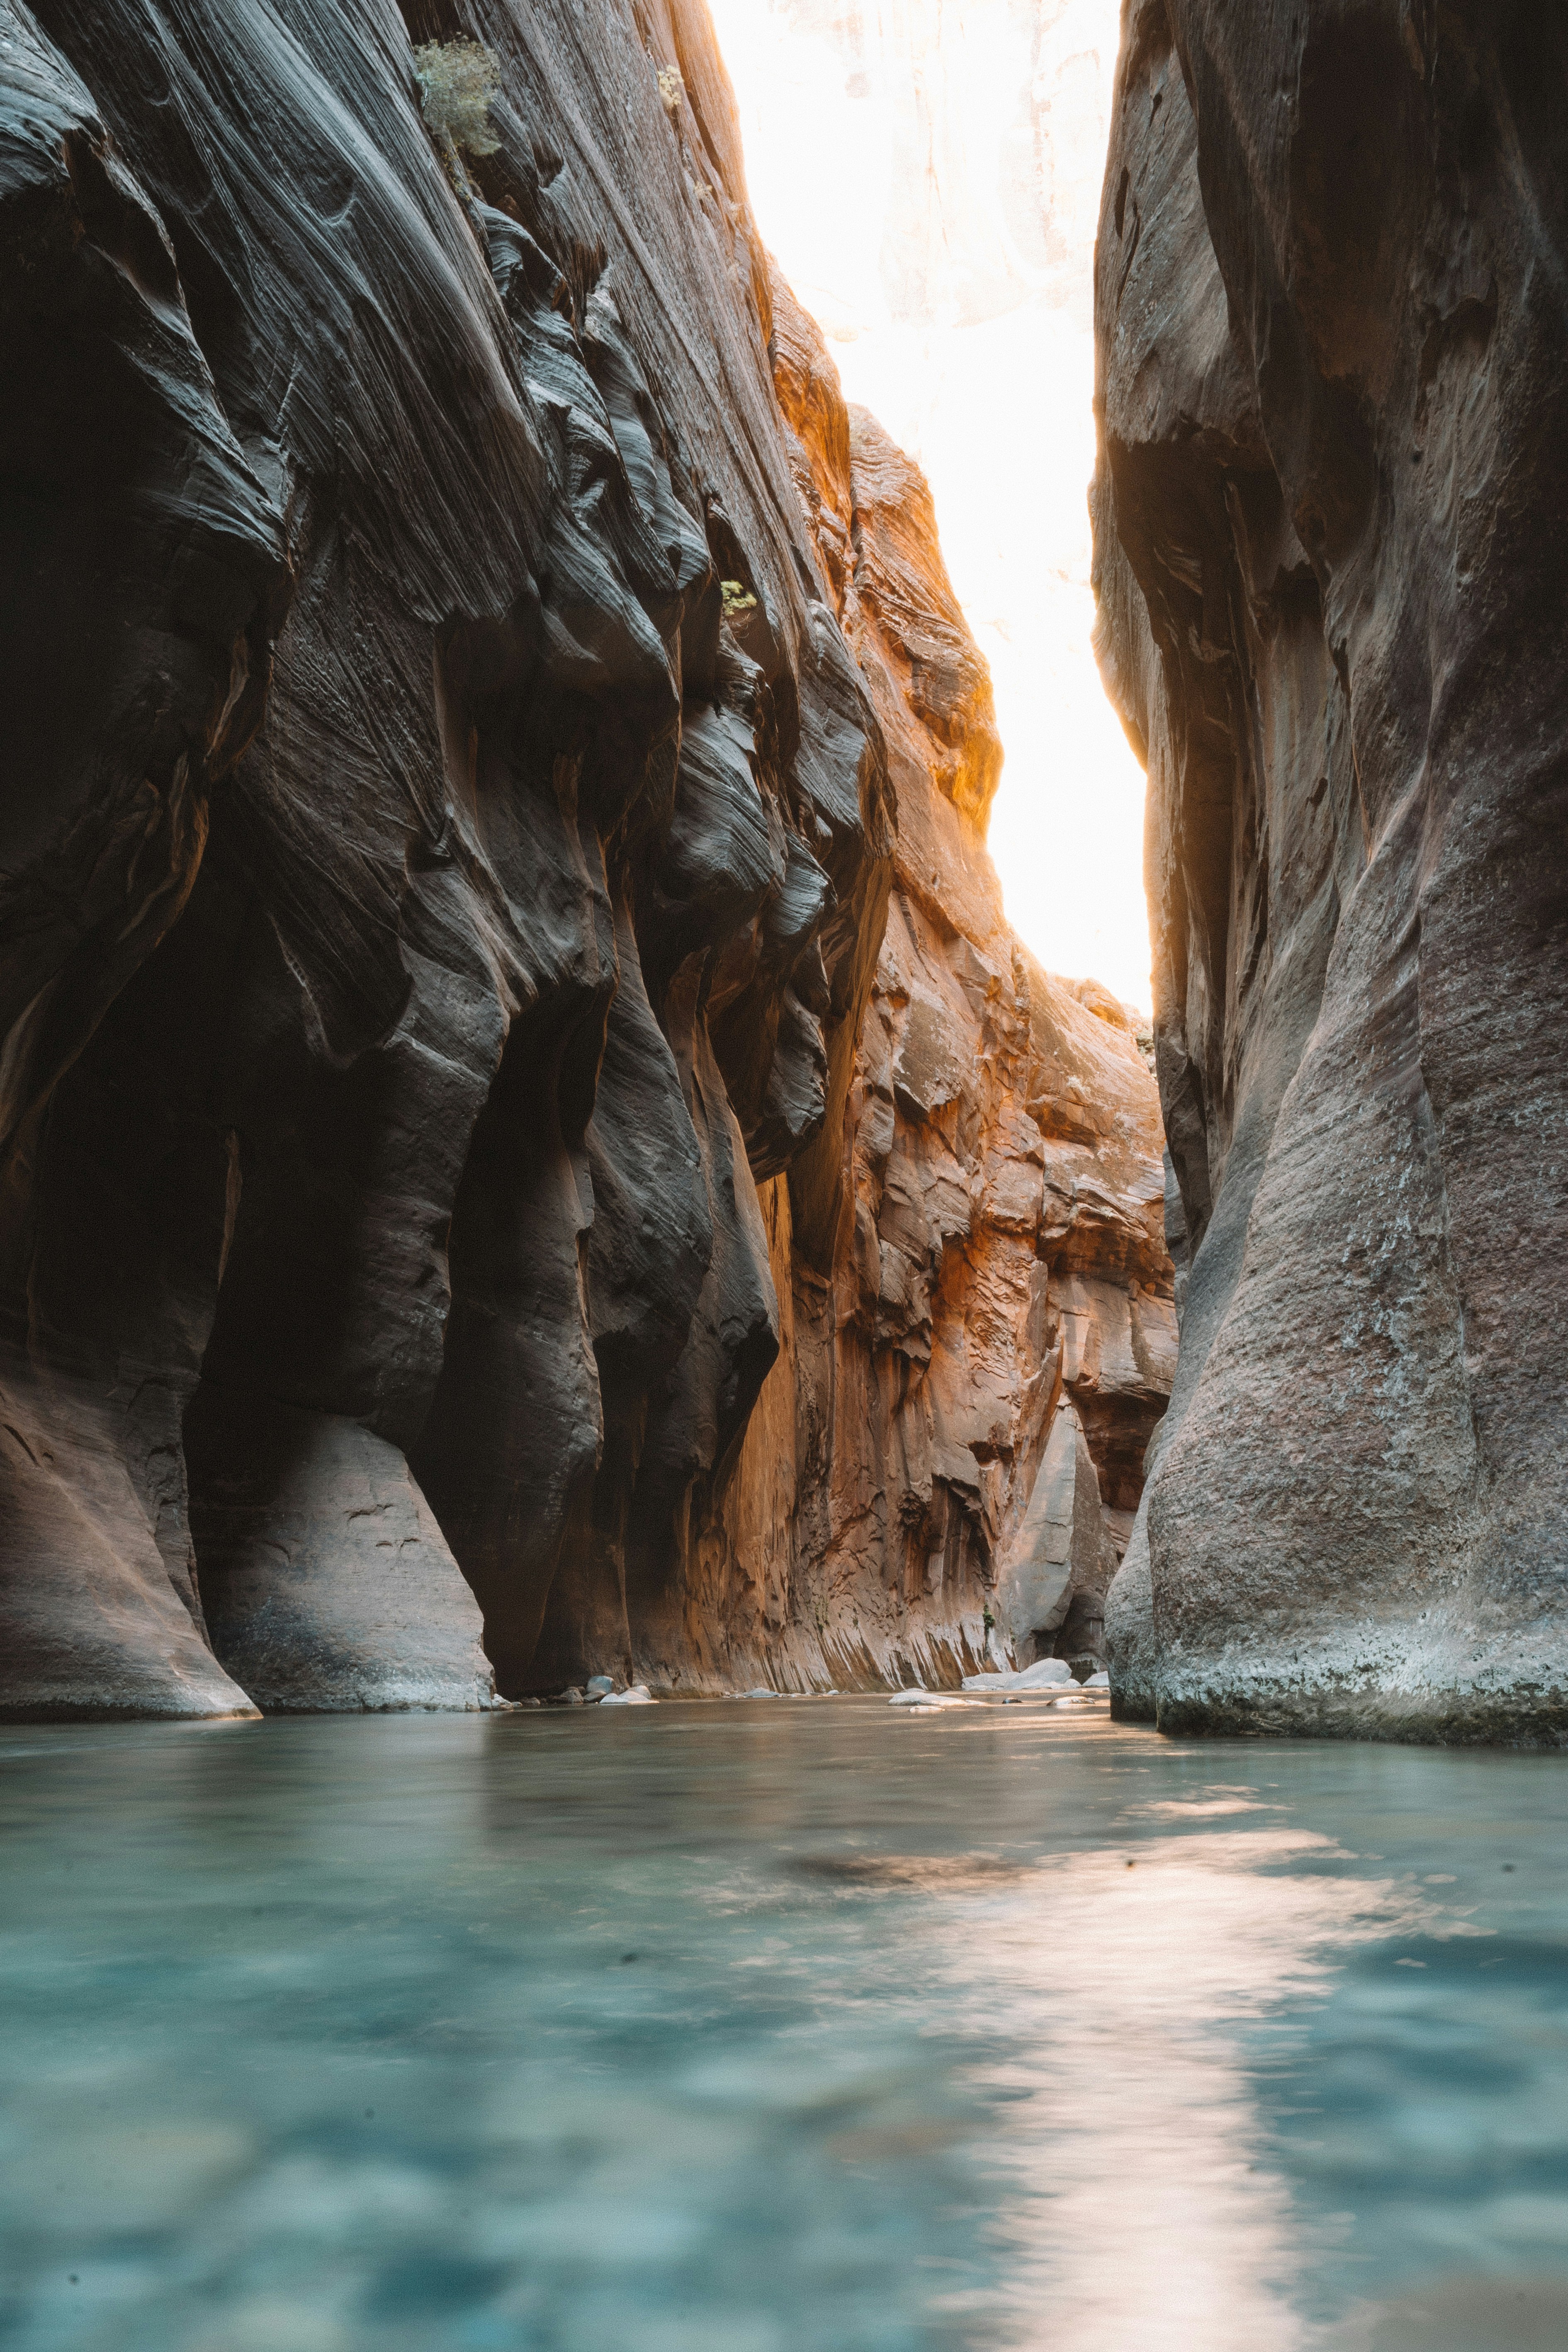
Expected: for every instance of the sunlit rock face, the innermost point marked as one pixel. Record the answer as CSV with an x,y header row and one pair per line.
x,y
449,871
1332,608
929,176
978,1330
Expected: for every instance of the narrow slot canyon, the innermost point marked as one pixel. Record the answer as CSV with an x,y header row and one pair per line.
x,y
783,944
535,1154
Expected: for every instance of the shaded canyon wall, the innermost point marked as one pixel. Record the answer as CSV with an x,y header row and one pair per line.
x,y
1333,362
444,890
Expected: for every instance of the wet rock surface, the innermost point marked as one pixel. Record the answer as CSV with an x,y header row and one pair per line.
x,y
1332,362
448,1073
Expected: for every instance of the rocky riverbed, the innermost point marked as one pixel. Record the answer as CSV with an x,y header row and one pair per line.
x,y
813,2022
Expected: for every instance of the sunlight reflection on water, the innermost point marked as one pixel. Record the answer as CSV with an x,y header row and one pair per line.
x,y
1141,2135
768,2027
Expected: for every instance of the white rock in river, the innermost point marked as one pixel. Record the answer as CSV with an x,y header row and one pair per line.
x,y
1044,1671
638,1695
1046,1674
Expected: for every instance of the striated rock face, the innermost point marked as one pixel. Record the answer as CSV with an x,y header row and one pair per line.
x,y
446,893
1334,356
457,830
972,1266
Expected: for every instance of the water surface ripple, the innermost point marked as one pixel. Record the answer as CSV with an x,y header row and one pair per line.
x,y
778,2027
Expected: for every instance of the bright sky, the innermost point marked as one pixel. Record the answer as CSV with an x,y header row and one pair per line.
x,y
927,173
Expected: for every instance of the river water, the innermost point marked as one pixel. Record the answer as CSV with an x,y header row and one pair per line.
x,y
773,2026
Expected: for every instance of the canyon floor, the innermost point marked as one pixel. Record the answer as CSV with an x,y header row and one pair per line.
x,y
811,2024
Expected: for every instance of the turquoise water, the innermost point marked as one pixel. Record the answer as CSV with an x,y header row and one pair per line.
x,y
776,2026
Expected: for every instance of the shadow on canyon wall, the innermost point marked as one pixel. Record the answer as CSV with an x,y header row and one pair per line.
x,y
1333,368
484,1202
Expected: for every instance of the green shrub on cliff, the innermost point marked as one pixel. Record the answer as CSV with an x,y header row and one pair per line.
x,y
457,81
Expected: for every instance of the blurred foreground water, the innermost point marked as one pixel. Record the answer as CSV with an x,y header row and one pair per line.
x,y
771,2026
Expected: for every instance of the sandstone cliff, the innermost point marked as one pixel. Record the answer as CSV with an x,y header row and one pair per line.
x,y
1333,364
447,895
977,1321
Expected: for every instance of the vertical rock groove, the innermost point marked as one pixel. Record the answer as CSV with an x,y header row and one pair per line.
x,y
1332,342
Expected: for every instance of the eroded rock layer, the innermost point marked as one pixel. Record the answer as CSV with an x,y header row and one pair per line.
x,y
1334,367
443,892
978,1332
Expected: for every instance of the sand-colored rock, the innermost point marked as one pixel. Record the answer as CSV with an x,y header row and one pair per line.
x,y
978,1278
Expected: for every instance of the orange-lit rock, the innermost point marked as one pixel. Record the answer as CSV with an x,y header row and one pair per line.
x,y
978,1323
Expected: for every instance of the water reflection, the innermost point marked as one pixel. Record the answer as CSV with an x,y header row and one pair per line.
x,y
799,2026
1141,2206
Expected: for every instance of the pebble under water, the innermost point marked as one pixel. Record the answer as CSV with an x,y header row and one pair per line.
x,y
771,2026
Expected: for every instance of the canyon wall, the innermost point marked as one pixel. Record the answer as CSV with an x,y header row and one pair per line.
x,y
1332,321
977,1320
447,1062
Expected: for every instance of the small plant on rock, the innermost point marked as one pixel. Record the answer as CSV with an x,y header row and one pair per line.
x,y
457,81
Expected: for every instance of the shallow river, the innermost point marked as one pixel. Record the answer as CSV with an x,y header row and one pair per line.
x,y
774,2026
